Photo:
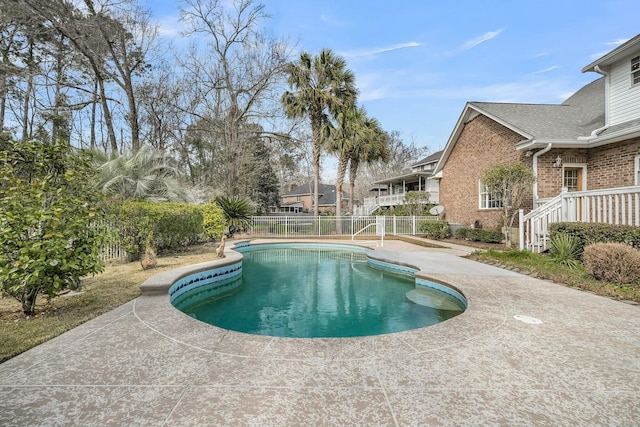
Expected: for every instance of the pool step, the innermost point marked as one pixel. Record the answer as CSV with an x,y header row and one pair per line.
x,y
435,299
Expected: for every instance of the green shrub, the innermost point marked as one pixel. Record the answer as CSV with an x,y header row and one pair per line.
x,y
171,224
434,229
237,211
49,220
461,233
490,236
213,220
613,262
565,249
479,235
589,233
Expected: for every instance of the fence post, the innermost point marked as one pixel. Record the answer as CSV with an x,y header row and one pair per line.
x,y
521,228
394,226
413,228
286,226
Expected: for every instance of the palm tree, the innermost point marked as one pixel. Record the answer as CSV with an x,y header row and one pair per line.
x,y
321,84
237,212
371,148
349,133
147,174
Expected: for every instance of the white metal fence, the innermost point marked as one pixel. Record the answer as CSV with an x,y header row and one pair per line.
x,y
306,226
310,226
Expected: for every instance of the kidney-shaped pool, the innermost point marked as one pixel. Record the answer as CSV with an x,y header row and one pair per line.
x,y
313,291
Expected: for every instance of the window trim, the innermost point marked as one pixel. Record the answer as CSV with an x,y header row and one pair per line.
x,y
635,70
484,198
636,171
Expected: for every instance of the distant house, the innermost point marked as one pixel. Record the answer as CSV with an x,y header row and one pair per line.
x,y
390,192
584,152
300,199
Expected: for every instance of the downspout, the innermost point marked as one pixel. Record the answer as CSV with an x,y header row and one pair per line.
x,y
535,171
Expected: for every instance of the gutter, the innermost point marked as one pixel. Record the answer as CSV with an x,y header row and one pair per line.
x,y
535,170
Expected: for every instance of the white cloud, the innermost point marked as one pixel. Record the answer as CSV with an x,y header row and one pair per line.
x,y
170,26
546,70
616,42
480,39
376,51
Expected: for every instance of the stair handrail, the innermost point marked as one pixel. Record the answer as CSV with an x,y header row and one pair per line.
x,y
379,231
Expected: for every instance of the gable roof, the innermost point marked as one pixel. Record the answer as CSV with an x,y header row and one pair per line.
x,y
577,116
432,158
326,193
615,55
538,124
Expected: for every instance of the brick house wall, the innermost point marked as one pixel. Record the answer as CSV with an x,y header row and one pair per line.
x,y
305,199
608,166
550,177
482,144
612,165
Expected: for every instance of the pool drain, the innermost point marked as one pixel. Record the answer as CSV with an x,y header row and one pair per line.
x,y
527,319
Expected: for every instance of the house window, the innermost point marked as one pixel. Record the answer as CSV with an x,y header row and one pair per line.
x,y
488,200
635,70
298,198
637,170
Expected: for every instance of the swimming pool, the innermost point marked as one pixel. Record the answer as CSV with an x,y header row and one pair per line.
x,y
313,291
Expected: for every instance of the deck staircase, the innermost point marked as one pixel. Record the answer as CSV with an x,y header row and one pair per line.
x,y
608,206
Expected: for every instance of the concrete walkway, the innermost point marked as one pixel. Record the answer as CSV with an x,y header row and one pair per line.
x,y
526,352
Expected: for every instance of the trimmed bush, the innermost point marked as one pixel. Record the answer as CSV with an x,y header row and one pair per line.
x,y
434,229
213,220
589,233
479,235
613,262
171,225
461,233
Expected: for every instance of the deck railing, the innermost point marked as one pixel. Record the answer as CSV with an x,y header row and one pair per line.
x,y
608,206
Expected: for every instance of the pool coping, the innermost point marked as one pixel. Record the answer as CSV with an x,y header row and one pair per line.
x,y
146,363
156,297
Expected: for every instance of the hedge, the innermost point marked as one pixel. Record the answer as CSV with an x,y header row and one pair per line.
x,y
479,235
165,225
434,229
589,233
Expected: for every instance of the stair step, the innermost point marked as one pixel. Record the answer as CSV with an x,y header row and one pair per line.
x,y
433,298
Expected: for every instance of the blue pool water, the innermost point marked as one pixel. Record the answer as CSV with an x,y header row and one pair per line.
x,y
317,292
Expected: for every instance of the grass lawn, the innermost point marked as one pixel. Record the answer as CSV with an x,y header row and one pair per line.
x,y
541,266
99,294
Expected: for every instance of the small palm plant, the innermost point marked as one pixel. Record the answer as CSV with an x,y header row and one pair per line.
x,y
237,211
565,249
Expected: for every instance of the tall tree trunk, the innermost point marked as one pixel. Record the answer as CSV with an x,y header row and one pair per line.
x,y
107,114
342,170
3,102
133,116
94,106
353,173
315,131
25,108
57,125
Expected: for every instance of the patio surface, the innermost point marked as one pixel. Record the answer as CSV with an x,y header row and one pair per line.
x,y
147,364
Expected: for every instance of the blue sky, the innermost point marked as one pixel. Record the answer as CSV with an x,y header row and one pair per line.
x,y
418,62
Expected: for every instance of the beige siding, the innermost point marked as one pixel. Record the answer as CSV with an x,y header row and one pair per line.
x,y
624,98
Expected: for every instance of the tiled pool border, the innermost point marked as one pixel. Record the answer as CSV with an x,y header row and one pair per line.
x,y
221,272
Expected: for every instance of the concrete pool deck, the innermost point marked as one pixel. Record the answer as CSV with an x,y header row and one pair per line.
x,y
147,364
